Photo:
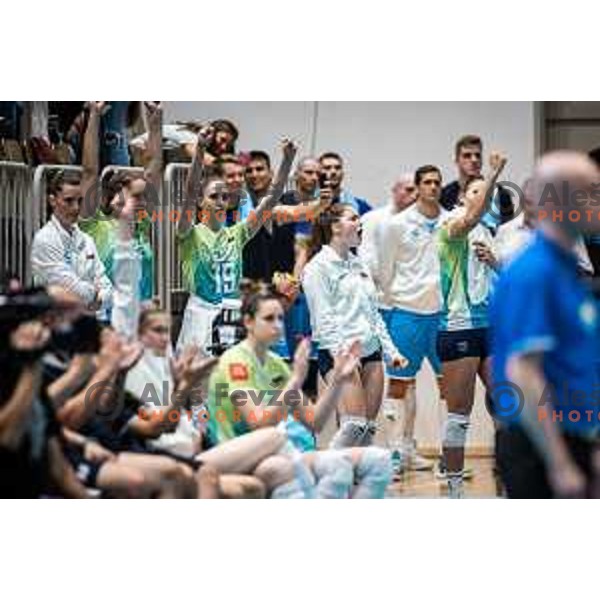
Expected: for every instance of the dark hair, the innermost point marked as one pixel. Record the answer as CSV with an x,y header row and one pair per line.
x,y
59,178
229,127
225,125
323,228
467,140
595,155
330,155
254,294
114,183
422,171
260,155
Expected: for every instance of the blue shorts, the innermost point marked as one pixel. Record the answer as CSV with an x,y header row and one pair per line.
x,y
415,336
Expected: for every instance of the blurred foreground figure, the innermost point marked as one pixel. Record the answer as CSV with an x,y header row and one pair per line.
x,y
543,319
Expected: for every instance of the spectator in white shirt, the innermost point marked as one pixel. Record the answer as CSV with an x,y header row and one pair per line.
x,y
65,256
404,193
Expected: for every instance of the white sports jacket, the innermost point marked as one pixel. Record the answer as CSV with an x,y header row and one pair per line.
x,y
71,261
342,300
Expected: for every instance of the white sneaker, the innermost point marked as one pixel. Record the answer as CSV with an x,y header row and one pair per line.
x,y
414,460
442,475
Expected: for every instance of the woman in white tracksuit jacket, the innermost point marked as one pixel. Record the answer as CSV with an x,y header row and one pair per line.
x,y
342,300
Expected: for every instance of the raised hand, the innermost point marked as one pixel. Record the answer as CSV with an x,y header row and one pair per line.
x,y
302,360
498,160
98,107
111,348
289,149
153,113
191,367
131,352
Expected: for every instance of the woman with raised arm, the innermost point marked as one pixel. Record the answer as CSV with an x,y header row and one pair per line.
x,y
104,200
462,343
211,253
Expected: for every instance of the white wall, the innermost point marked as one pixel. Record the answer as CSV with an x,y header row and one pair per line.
x,y
380,140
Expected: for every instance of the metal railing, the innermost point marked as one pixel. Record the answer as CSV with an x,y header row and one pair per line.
x,y
16,230
174,194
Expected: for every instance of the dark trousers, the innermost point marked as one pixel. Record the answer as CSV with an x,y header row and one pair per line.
x,y
522,470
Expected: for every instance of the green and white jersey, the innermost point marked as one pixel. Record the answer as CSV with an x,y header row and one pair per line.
x,y
104,230
466,282
240,369
212,261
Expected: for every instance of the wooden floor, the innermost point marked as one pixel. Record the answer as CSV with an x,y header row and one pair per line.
x,y
425,484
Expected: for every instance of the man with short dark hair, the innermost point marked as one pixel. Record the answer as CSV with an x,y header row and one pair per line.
x,y
408,276
332,169
258,253
63,255
468,153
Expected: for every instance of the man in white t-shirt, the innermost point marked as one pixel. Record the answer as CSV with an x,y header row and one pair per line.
x,y
408,276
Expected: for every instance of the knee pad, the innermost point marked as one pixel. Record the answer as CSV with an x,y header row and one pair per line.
x,y
455,434
374,472
334,473
351,433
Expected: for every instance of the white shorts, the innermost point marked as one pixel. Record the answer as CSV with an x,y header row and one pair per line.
x,y
196,328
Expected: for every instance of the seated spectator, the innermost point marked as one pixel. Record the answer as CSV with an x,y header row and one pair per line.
x,y
31,460
249,371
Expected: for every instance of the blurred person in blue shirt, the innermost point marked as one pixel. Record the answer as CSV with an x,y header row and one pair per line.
x,y
544,327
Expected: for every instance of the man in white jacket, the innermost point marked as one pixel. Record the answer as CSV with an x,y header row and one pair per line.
x,y
63,255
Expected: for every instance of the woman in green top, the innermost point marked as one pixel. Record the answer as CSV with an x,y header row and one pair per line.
x,y
99,216
252,388
210,252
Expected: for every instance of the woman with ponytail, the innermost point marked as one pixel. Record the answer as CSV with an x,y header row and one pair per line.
x,y
343,307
